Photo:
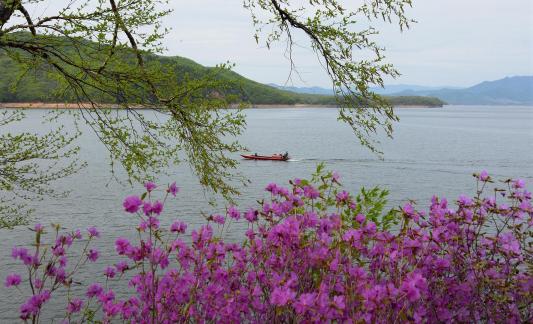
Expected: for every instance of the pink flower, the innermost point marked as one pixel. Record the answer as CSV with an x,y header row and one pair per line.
x,y
147,208
483,176
519,183
77,234
22,254
179,227
465,200
251,215
93,232
110,272
273,188
33,304
283,191
157,207
234,213
305,302
342,196
38,228
122,245
132,203
408,209
94,290
173,189
250,234
122,266
282,296
60,274
19,252
153,222
58,250
92,255
413,286
351,235
74,306
12,280
311,192
410,212
106,297
509,243
38,283
339,302
219,219
150,186
63,261
160,257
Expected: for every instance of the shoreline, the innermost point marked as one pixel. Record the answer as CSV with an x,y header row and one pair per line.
x,y
280,106
50,105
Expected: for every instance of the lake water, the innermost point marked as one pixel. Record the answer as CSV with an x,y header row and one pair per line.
x,y
434,151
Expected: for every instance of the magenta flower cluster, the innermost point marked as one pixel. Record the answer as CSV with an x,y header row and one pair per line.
x,y
309,255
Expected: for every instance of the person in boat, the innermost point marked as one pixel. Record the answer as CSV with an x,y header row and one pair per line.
x,y
255,154
286,155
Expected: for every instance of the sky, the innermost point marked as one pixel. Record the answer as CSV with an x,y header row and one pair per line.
x,y
453,43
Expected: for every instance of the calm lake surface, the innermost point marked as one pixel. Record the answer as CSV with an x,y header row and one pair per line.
x,y
434,151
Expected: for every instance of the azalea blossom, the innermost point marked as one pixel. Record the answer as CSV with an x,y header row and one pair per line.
x,y
150,186
12,280
173,189
132,203
306,255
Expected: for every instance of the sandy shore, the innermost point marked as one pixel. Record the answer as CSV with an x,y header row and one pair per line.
x,y
52,105
48,105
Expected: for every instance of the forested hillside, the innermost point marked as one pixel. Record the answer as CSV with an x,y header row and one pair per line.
x,y
18,86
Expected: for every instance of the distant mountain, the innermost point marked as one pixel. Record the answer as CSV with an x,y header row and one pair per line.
x,y
395,88
307,90
517,90
387,90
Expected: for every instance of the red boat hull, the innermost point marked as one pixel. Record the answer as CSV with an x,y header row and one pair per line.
x,y
265,157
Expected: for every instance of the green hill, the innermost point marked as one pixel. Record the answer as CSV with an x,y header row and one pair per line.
x,y
37,86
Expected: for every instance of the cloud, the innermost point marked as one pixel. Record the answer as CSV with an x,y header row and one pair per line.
x,y
455,42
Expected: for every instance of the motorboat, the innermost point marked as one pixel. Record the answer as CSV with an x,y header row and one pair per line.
x,y
273,157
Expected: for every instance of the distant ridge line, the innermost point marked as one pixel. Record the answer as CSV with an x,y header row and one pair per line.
x,y
514,90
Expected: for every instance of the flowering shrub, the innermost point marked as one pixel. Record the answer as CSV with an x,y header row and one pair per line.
x,y
312,253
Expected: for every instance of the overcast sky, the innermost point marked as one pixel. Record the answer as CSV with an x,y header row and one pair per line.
x,y
455,42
